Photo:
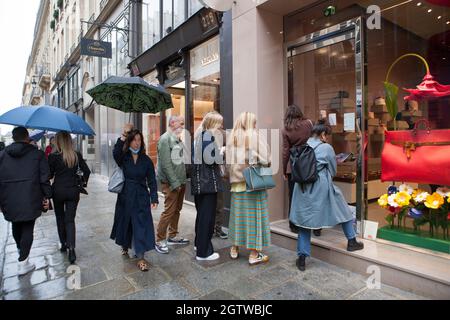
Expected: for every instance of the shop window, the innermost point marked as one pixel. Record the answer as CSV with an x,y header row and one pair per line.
x,y
194,6
205,80
151,13
167,17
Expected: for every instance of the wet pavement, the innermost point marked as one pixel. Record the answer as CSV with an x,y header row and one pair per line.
x,y
103,273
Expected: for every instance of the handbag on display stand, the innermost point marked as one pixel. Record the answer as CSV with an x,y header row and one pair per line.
x,y
421,156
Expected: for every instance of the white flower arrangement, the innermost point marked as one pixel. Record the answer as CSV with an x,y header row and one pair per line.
x,y
421,197
391,200
406,188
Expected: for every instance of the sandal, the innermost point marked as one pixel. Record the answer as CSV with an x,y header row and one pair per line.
x,y
124,252
143,265
234,252
260,258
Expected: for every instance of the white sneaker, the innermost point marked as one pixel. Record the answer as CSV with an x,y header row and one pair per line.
x,y
25,267
161,247
214,256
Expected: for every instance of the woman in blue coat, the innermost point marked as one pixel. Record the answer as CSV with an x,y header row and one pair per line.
x,y
321,204
133,224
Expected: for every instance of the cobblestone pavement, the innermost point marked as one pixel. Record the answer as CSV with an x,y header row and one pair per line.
x,y
105,274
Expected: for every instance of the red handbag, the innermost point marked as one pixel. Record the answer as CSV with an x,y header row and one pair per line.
x,y
421,156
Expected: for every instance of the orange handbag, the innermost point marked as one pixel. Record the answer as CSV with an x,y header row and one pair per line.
x,y
420,156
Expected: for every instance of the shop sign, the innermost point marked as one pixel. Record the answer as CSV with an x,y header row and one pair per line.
x,y
91,47
208,21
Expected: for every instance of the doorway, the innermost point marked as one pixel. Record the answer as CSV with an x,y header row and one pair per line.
x,y
325,80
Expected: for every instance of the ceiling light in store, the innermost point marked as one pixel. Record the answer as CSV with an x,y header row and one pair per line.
x,y
323,51
419,4
334,53
429,10
448,22
439,17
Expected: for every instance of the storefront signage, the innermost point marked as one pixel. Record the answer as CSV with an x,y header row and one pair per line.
x,y
210,59
208,21
91,47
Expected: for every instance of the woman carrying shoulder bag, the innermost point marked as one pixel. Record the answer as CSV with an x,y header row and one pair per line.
x,y
206,182
249,215
71,175
133,226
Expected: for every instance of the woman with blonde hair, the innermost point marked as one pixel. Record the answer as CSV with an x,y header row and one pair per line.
x,y
71,175
206,182
249,217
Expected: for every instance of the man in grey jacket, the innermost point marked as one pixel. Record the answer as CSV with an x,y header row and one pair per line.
x,y
171,173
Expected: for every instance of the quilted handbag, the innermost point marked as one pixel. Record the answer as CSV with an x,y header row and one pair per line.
x,y
258,178
421,156
115,184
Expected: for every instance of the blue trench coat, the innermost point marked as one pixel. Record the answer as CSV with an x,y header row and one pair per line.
x,y
322,204
133,222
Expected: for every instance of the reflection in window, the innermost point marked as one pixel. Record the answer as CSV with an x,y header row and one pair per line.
x,y
167,17
178,12
150,22
194,6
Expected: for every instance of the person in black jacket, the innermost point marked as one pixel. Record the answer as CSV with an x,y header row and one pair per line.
x,y
66,166
206,182
133,227
24,191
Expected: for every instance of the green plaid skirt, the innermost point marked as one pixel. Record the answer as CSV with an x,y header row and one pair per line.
x,y
249,220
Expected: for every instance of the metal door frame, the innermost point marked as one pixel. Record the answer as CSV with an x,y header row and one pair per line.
x,y
351,29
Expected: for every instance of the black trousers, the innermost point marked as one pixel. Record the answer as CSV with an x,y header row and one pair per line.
x,y
204,223
23,235
65,201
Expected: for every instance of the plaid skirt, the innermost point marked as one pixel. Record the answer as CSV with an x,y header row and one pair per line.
x,y
249,220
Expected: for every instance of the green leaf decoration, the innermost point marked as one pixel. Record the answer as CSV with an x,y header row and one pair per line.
x,y
391,92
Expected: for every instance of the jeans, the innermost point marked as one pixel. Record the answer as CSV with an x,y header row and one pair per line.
x,y
304,238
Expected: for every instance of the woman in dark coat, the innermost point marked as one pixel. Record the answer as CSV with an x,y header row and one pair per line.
x,y
133,225
64,165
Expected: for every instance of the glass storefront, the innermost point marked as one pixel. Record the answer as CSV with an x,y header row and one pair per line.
x,y
205,79
326,80
192,96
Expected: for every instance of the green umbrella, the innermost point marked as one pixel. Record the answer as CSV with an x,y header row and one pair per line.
x,y
131,94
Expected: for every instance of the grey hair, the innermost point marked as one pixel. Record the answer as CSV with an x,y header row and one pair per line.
x,y
173,118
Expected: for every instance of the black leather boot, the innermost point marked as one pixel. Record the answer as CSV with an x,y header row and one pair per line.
x,y
293,227
301,263
72,256
63,248
354,245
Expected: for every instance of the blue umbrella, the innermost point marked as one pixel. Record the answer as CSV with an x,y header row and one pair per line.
x,y
37,135
46,118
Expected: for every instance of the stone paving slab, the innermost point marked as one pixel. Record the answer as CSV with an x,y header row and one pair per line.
x,y
106,274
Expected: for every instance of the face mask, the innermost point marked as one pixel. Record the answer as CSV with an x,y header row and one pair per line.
x,y
134,151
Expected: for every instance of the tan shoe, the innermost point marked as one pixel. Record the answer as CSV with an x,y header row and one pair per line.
x,y
260,258
234,252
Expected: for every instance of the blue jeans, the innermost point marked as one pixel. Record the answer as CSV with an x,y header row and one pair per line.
x,y
304,238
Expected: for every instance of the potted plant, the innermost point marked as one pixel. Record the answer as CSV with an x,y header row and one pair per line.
x,y
52,25
56,14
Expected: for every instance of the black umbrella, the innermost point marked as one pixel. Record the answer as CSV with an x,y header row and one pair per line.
x,y
131,94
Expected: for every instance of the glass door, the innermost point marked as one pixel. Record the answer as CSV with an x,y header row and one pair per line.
x,y
324,80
